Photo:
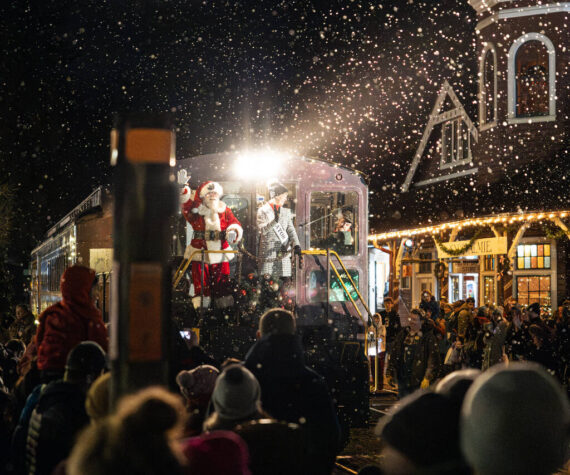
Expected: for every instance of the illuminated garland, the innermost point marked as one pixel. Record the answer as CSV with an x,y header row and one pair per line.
x,y
552,234
461,250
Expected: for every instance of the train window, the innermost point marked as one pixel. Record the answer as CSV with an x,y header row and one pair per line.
x,y
318,286
236,197
334,221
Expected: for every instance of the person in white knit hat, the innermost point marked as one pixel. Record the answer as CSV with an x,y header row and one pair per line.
x,y
236,399
515,420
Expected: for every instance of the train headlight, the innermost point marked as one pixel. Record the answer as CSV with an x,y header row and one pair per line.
x,y
259,165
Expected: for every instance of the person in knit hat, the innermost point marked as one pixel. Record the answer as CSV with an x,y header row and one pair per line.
x,y
515,420
236,398
213,227
97,402
197,386
203,454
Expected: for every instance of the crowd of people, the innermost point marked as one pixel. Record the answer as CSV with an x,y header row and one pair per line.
x,y
438,338
269,413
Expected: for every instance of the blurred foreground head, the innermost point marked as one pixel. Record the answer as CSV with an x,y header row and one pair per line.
x,y
220,452
137,439
421,436
515,419
277,321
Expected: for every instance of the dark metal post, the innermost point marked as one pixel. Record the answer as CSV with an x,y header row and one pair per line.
x,y
328,283
142,151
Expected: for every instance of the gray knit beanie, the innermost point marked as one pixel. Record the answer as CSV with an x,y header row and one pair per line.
x,y
515,420
236,393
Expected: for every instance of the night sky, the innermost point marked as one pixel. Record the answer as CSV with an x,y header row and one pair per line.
x,y
348,81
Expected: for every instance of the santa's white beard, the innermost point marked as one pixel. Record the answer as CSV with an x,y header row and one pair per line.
x,y
212,203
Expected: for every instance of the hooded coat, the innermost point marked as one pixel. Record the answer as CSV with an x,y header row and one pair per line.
x,y
292,392
70,321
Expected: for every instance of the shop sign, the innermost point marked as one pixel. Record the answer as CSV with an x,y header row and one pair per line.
x,y
101,260
465,267
481,247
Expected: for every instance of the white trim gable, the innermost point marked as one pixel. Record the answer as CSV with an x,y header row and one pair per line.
x,y
438,116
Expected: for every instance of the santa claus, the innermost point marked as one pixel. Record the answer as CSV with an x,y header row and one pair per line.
x,y
214,227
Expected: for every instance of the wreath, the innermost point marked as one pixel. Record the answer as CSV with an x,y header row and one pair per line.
x,y
441,271
503,266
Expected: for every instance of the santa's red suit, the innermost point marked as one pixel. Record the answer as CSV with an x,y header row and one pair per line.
x,y
214,227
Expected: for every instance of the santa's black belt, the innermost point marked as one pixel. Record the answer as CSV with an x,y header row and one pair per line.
x,y
210,235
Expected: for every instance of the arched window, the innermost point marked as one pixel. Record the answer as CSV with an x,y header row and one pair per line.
x,y
532,77
488,86
531,65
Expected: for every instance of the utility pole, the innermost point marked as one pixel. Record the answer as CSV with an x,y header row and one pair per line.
x,y
145,197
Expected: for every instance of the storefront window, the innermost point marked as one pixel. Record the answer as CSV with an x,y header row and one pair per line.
x,y
334,221
533,256
533,288
318,286
489,295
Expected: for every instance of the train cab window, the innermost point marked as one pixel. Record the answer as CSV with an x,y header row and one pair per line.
x,y
237,199
318,286
334,221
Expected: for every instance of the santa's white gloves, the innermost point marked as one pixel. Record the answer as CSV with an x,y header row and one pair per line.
x,y
188,252
231,236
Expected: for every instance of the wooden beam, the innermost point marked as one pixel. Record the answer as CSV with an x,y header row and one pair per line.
x,y
561,225
516,239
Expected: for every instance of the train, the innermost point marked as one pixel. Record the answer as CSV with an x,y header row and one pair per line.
x,y
330,287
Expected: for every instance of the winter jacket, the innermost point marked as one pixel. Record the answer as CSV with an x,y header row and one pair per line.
x,y
414,357
23,329
494,340
432,306
392,323
464,318
292,392
69,322
269,243
208,230
55,422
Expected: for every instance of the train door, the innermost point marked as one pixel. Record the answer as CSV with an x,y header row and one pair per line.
x,y
334,220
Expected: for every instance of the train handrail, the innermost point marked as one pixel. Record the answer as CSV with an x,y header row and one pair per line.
x,y
321,252
186,262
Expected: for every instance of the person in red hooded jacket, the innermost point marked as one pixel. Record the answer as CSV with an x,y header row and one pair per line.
x,y
69,322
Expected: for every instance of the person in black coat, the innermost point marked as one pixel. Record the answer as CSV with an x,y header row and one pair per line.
x,y
292,392
60,412
429,304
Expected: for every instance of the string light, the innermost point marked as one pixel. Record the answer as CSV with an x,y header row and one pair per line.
x,y
510,217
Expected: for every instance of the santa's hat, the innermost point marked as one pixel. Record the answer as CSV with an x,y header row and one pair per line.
x,y
208,187
201,191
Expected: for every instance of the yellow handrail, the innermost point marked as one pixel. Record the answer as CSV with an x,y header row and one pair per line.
x,y
321,252
186,262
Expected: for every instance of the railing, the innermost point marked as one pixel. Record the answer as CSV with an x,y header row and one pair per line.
x,y
181,270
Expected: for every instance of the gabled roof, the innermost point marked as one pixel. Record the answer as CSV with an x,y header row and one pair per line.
x,y
438,115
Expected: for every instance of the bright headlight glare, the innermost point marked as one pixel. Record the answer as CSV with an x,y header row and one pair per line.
x,y
259,165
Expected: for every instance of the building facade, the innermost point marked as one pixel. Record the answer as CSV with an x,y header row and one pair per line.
x,y
504,171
